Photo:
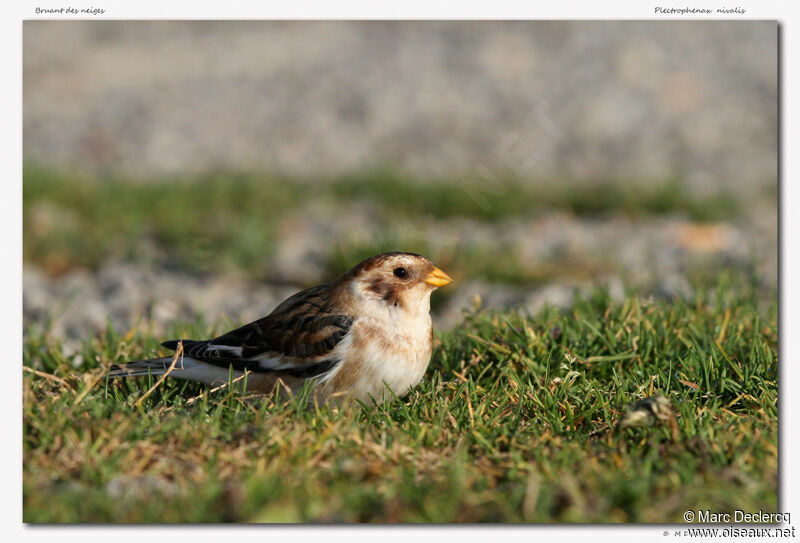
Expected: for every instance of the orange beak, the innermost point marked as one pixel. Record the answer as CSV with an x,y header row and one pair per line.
x,y
438,278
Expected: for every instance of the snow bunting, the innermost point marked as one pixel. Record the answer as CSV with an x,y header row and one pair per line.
x,y
366,330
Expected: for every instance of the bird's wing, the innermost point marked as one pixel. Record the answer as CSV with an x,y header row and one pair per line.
x,y
297,338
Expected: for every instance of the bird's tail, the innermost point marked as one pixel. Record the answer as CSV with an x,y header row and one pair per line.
x,y
152,366
185,368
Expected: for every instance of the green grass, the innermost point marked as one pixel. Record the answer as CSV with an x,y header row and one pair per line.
x,y
497,198
512,423
230,222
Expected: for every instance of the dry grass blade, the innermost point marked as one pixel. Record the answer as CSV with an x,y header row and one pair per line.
x,y
190,401
47,376
284,386
178,354
91,380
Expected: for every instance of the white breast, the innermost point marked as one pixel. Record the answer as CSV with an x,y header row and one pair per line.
x,y
394,348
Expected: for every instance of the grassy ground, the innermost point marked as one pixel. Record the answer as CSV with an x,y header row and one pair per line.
x,y
512,423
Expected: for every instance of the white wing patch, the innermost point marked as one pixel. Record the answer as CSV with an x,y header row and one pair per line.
x,y
273,362
236,351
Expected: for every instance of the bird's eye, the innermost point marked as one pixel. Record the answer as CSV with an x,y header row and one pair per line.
x,y
400,272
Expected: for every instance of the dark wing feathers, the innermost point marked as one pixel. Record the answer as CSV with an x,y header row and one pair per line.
x,y
305,336
300,331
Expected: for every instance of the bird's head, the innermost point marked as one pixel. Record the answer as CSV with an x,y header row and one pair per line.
x,y
398,279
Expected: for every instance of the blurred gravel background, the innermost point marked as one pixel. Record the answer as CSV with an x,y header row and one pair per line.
x,y
634,100
549,102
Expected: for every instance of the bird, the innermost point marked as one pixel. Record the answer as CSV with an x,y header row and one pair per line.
x,y
353,337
